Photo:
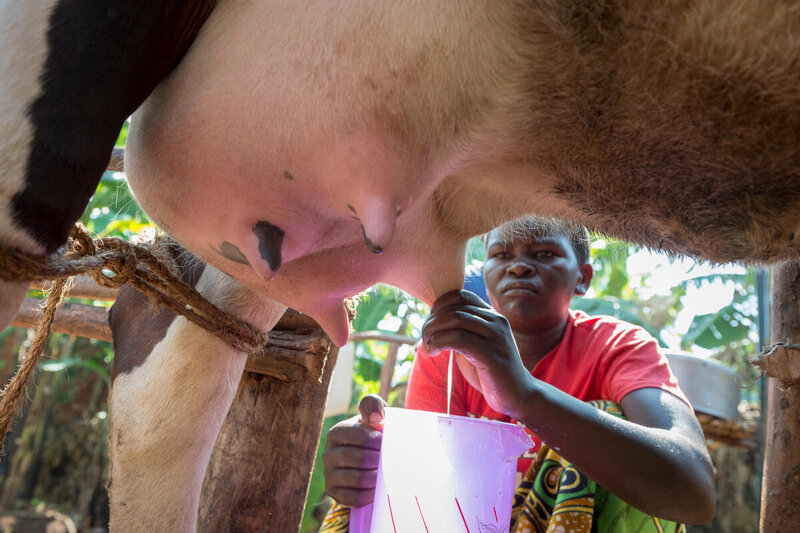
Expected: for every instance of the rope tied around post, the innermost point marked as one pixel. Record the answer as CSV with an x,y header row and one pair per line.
x,y
111,262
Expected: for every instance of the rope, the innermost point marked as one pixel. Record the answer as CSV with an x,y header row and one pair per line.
x,y
13,393
145,266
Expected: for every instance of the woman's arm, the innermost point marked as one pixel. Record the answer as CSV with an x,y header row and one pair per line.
x,y
656,460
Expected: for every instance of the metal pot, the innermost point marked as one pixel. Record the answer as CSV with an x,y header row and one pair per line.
x,y
712,387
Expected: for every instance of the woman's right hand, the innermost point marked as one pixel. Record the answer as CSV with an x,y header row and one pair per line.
x,y
352,452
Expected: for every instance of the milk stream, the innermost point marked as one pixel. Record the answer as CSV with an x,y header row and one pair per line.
x,y
449,381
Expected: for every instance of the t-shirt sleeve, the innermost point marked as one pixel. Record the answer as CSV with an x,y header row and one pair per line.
x,y
635,361
427,385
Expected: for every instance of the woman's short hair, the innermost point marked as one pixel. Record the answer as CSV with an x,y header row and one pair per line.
x,y
536,227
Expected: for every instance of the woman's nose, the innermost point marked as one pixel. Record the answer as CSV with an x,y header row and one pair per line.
x,y
520,269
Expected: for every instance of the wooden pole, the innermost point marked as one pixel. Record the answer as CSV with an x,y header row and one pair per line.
x,y
780,495
258,475
387,370
71,318
83,286
293,353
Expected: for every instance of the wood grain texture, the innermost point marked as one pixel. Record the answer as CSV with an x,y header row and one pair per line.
x,y
780,493
258,475
296,351
83,286
70,318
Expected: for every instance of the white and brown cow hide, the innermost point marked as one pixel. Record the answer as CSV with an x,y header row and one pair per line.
x,y
173,383
310,149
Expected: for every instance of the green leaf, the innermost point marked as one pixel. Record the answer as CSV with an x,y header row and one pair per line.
x,y
715,330
123,134
368,368
476,251
373,307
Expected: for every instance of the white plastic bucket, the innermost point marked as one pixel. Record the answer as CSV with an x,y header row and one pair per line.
x,y
440,473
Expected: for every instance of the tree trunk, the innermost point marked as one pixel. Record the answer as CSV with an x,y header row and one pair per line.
x,y
780,496
258,475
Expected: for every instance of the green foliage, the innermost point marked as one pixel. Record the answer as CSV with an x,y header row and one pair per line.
x,y
381,308
476,252
609,259
731,325
734,323
123,134
375,304
72,363
112,210
713,330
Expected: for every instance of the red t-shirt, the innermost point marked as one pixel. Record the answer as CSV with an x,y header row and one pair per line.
x,y
599,358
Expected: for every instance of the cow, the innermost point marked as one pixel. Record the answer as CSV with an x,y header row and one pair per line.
x,y
311,149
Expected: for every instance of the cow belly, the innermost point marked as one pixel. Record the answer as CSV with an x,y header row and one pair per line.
x,y
291,136
330,127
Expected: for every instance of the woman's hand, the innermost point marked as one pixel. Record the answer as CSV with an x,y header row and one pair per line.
x,y
462,322
352,452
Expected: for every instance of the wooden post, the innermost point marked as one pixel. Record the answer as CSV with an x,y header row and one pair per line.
x,y
258,475
387,370
780,495
82,286
82,320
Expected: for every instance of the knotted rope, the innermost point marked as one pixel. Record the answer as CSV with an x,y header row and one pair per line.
x,y
111,262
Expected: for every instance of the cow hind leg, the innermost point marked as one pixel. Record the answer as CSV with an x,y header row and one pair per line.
x,y
169,398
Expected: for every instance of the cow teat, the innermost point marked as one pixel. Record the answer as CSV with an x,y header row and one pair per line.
x,y
378,222
331,315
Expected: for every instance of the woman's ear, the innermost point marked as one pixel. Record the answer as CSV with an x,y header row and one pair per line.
x,y
585,273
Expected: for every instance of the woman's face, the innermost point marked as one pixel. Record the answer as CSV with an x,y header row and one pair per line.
x,y
532,281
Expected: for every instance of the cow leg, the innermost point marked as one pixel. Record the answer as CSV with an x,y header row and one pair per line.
x,y
167,405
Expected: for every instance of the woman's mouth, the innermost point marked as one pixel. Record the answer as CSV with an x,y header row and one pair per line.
x,y
519,289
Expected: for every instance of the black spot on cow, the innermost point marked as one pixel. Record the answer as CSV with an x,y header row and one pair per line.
x,y
101,65
270,239
288,175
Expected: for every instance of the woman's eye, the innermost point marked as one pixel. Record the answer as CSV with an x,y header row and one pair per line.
x,y
500,255
544,255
